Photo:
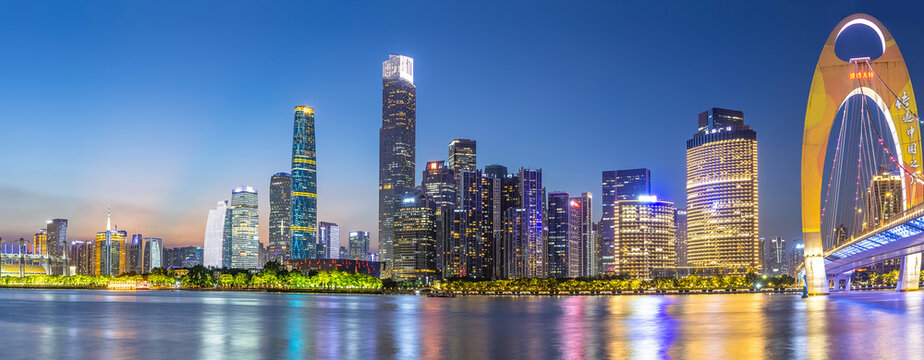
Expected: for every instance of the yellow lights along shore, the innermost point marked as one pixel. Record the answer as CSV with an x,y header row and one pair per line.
x,y
833,83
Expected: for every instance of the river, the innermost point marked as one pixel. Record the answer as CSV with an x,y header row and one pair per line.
x,y
100,324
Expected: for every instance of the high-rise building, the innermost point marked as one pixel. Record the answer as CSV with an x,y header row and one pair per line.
x,y
134,259
280,217
516,229
632,183
608,223
359,245
462,156
439,182
304,225
415,239
680,239
329,240
532,201
884,198
215,233
57,245
644,236
560,235
775,260
796,256
109,252
397,139
186,257
590,256
154,254
245,228
81,255
722,209
497,171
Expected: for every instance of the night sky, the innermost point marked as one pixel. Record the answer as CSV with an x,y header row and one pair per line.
x,y
161,108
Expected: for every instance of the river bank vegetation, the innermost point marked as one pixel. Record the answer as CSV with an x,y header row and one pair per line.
x,y
617,284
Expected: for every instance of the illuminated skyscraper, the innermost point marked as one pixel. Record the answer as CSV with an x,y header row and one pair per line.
x,y
462,156
590,256
607,223
534,246
40,242
359,245
304,226
722,216
57,244
563,249
632,183
109,252
245,228
280,217
415,239
397,139
81,255
775,257
645,236
134,259
153,254
439,182
328,240
215,231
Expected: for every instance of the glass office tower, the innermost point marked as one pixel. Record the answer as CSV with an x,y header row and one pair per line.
x,y
304,225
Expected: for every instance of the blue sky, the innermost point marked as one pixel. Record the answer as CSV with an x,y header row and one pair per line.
x,y
161,108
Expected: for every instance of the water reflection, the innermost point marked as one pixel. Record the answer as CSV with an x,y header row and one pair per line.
x,y
203,325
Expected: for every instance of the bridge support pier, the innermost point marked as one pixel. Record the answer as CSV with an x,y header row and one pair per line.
x,y
909,274
816,280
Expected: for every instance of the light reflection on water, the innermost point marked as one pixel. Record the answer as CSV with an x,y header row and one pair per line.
x,y
230,325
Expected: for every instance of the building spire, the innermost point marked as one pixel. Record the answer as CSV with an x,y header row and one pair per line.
x,y
108,218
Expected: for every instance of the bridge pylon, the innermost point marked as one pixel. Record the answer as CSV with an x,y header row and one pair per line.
x,y
909,274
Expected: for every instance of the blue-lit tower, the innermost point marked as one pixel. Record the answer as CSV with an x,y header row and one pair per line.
x,y
304,187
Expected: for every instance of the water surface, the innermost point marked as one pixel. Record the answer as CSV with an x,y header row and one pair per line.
x,y
94,324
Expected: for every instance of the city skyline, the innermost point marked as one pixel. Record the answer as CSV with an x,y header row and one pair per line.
x,y
165,204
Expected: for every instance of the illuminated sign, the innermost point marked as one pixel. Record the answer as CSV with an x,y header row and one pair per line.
x,y
647,198
433,165
575,204
409,200
862,75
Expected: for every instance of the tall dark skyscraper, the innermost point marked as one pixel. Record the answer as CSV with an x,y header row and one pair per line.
x,y
498,171
590,253
280,217
560,233
415,239
439,183
533,204
359,245
57,244
608,223
397,141
304,225
632,183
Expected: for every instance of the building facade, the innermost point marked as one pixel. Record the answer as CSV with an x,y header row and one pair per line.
x,y
397,144
153,254
590,249
359,245
109,251
56,229
532,195
304,224
215,232
776,259
415,239
722,206
462,156
680,239
280,217
245,228
645,236
329,240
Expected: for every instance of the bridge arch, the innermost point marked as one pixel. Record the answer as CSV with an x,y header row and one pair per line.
x,y
832,85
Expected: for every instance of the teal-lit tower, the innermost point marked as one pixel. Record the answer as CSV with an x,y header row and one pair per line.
x,y
304,187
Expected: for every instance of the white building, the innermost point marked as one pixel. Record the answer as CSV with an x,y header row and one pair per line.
x,y
215,235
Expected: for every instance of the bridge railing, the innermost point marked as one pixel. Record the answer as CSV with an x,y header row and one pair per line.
x,y
905,216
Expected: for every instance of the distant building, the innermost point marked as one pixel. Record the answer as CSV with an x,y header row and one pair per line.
x,y
359,245
81,256
40,242
280,217
775,257
561,245
186,257
796,250
632,183
415,239
56,230
153,254
397,145
680,239
440,184
590,255
306,266
134,260
884,198
533,246
245,228
497,171
329,240
462,156
722,203
215,233
644,236
109,251
304,223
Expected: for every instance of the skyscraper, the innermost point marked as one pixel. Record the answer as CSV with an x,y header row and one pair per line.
x,y
608,223
40,242
215,231
134,260
245,228
884,198
57,244
498,171
722,216
680,239
644,236
329,240
397,141
560,234
359,245
632,183
304,224
109,252
534,247
775,259
462,156
81,255
153,254
439,182
280,217
415,239
590,256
